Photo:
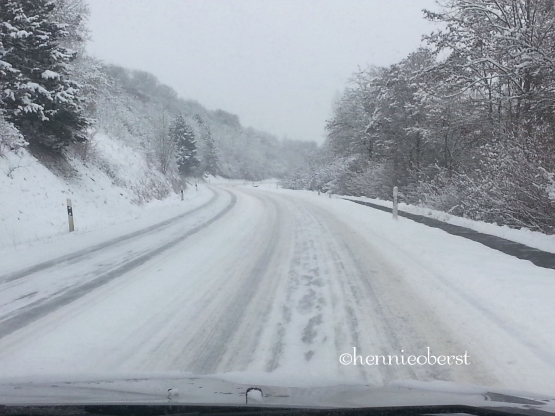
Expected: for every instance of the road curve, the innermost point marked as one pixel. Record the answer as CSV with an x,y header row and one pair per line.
x,y
261,281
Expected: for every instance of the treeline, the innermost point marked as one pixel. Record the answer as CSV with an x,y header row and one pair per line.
x,y
465,125
135,107
54,98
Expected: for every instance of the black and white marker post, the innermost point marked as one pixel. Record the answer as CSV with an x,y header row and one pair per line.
x,y
182,194
70,216
394,203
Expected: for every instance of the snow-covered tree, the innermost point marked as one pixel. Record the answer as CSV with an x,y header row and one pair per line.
x,y
182,134
502,52
210,157
73,14
465,125
37,91
165,144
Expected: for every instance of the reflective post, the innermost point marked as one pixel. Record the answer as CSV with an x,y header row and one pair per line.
x,y
70,216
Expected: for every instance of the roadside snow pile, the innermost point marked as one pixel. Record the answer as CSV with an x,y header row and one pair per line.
x,y
111,186
524,236
220,180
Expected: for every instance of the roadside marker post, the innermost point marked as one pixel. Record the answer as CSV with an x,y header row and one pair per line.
x,y
70,216
182,194
395,191
329,194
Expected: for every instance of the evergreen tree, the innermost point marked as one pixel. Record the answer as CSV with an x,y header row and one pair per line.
x,y
184,138
210,157
37,94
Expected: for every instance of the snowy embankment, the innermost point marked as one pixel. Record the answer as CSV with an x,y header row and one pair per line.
x,y
114,184
524,236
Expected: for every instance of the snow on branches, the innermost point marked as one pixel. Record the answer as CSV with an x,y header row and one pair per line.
x,y
37,92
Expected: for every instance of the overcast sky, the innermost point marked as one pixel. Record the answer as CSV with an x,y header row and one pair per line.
x,y
277,64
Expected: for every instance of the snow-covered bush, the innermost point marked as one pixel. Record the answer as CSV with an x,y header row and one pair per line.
x,y
11,140
506,187
510,189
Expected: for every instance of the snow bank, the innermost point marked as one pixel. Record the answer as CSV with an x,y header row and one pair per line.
x,y
115,184
220,180
524,236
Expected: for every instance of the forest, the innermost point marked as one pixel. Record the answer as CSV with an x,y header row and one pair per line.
x,y
465,124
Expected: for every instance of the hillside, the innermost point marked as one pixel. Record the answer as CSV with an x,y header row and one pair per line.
x,y
117,174
114,140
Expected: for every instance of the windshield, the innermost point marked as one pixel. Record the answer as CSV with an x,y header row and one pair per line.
x,y
287,193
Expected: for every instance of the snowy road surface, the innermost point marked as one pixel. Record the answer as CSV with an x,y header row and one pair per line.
x,y
282,282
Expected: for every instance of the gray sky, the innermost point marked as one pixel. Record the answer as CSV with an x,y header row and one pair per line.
x,y
277,64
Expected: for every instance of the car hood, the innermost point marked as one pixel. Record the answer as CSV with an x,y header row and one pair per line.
x,y
187,389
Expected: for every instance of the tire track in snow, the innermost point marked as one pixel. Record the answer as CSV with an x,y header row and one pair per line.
x,y
307,326
234,323
39,309
320,308
404,321
305,310
79,255
219,325
360,301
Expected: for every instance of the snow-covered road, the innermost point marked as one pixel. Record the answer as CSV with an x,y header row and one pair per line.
x,y
282,282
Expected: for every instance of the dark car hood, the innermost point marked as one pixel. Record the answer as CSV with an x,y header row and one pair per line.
x,y
220,390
